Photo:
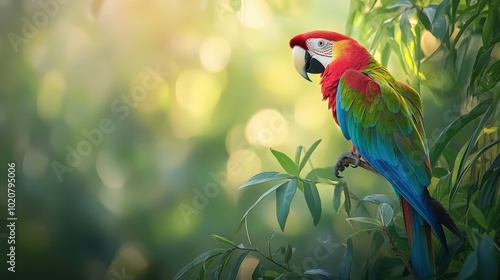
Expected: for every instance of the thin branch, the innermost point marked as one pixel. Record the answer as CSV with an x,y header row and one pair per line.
x,y
398,253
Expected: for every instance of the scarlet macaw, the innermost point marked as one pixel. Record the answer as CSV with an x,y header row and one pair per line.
x,y
383,119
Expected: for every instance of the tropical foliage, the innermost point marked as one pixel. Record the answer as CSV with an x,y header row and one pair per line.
x,y
458,39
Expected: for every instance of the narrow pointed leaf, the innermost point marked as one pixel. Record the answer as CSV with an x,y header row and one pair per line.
x,y
313,200
224,261
489,79
264,177
320,273
236,267
380,198
197,261
298,153
308,154
451,130
440,9
258,272
286,162
487,259
489,189
366,220
404,24
346,262
337,195
284,196
385,213
401,4
223,240
257,202
215,274
288,253
322,174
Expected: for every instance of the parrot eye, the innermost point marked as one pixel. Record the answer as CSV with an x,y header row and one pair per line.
x,y
321,43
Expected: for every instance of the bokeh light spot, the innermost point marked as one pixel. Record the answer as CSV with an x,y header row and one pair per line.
x,y
255,14
197,91
50,94
267,128
109,170
215,53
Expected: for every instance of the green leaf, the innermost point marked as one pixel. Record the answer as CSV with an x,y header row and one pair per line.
x,y
271,274
404,24
385,55
286,162
347,198
346,262
225,260
215,274
322,174
451,130
259,200
271,237
482,58
197,261
481,263
284,196
308,154
487,259
446,256
320,273
377,242
223,240
442,187
440,9
491,184
439,27
397,50
385,213
489,79
425,16
258,272
366,220
438,172
454,190
478,216
298,153
469,267
380,198
264,177
236,267
313,200
337,195
401,4
204,267
288,253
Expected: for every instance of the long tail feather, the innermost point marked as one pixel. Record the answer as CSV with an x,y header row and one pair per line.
x,y
419,242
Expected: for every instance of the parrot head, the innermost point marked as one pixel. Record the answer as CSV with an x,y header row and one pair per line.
x,y
314,51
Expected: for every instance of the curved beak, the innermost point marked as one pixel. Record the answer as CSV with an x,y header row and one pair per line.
x,y
304,63
299,56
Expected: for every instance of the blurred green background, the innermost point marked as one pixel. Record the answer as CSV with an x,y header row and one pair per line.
x,y
132,123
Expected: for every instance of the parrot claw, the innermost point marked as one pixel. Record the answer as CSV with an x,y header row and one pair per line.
x,y
344,160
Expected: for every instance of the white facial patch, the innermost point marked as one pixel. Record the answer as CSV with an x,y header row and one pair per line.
x,y
321,50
